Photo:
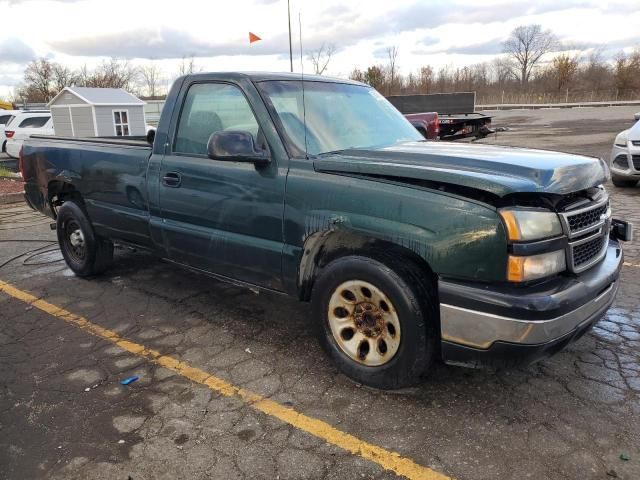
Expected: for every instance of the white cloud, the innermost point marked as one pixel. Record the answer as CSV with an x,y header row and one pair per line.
x,y
434,32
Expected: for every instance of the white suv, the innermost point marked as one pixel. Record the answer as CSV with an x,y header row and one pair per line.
x,y
625,157
5,118
23,125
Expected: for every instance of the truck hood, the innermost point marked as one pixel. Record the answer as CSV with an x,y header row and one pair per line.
x,y
493,169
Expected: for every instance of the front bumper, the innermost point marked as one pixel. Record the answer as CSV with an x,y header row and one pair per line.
x,y
625,162
509,325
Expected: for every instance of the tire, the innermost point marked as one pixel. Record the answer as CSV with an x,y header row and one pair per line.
x,y
85,253
623,182
401,338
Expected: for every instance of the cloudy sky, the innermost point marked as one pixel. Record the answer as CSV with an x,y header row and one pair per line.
x,y
434,32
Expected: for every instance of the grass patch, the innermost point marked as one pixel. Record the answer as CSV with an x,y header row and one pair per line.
x,y
5,172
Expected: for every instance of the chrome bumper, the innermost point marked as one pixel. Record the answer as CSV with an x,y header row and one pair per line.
x,y
478,329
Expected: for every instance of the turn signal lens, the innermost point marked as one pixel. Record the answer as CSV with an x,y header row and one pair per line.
x,y
523,269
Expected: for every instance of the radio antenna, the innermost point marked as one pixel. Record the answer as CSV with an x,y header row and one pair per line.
x,y
304,106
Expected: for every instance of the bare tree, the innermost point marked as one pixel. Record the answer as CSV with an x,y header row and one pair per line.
x,y
62,77
596,72
321,57
150,75
425,79
374,76
564,69
392,68
501,70
627,71
38,77
525,47
188,66
357,75
114,73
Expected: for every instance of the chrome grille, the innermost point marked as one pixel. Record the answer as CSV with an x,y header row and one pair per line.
x,y
588,232
585,252
585,219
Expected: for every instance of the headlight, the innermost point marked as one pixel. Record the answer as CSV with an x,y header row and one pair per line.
x,y
522,269
622,139
525,225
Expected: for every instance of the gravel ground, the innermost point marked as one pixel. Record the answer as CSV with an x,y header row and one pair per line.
x,y
569,417
10,186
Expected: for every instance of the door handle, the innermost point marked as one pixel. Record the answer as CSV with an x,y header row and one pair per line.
x,y
172,179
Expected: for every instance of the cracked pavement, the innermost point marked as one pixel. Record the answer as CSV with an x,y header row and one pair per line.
x,y
568,417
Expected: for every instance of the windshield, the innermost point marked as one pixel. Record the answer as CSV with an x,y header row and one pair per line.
x,y
339,116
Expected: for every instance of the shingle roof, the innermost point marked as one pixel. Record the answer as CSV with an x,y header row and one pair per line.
x,y
102,96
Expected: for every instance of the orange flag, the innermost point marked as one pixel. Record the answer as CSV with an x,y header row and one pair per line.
x,y
253,37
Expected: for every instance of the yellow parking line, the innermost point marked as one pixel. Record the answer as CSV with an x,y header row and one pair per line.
x,y
385,458
629,264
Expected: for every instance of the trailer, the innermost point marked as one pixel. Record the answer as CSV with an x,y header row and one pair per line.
x,y
456,113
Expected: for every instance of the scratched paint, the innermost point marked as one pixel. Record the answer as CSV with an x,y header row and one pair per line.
x,y
386,459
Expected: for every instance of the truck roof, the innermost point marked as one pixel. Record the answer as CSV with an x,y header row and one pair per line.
x,y
266,76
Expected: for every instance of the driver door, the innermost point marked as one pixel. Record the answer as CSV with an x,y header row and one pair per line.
x,y
223,217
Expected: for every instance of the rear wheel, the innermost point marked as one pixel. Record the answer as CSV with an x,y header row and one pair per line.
x,y
377,323
85,253
623,182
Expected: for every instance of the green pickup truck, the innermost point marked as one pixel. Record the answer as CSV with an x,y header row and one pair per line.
x,y
408,250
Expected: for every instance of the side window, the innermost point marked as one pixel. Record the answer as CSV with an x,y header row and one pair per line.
x,y
34,122
210,108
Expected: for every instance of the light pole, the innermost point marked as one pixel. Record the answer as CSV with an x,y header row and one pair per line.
x,y
290,48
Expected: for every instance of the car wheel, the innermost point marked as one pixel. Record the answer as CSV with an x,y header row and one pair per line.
x,y
85,253
623,182
377,323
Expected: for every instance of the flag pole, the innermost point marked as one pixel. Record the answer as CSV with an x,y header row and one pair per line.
x,y
290,47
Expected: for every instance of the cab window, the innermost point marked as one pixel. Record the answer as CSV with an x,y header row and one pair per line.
x,y
210,108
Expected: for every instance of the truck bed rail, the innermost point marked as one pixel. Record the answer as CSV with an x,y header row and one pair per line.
x,y
128,142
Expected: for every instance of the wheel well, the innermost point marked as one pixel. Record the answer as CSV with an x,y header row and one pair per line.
x,y
324,247
59,192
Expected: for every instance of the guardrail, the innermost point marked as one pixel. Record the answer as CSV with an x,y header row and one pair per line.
x,y
537,106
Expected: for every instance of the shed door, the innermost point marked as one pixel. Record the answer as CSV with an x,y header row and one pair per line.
x,y
82,118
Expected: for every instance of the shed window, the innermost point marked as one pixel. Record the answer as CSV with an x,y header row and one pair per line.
x,y
121,122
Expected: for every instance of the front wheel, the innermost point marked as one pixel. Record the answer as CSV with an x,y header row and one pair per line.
x,y
377,323
85,253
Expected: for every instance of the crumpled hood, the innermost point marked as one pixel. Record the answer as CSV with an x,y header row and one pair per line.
x,y
494,169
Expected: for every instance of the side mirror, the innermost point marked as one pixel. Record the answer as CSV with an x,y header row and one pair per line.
x,y
151,136
637,116
236,146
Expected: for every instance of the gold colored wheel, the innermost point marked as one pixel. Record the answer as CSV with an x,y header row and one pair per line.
x,y
364,323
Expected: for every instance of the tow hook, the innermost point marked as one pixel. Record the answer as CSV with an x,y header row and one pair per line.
x,y
621,230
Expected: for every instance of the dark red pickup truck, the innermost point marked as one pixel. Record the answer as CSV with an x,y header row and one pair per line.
x,y
428,124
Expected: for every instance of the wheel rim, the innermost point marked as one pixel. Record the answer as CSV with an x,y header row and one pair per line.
x,y
74,240
364,323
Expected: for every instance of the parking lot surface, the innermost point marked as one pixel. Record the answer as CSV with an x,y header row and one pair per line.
x,y
255,397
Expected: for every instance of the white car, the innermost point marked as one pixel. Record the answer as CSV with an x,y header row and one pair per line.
x,y
625,157
5,117
23,125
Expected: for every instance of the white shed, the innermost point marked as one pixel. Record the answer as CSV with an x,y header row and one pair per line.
x,y
97,112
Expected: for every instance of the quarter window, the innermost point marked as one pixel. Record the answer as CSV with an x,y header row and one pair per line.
x,y
121,122
34,122
211,108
